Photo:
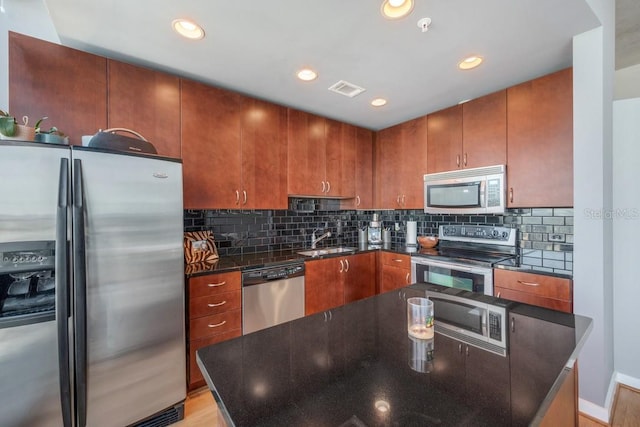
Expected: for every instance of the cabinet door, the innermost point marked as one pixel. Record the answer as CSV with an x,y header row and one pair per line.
x,y
445,140
401,162
264,155
531,375
364,169
394,278
66,85
484,131
448,364
306,154
359,276
323,286
414,163
540,142
210,147
492,397
340,159
388,160
147,102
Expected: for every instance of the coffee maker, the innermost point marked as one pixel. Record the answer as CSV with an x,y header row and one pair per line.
x,y
375,230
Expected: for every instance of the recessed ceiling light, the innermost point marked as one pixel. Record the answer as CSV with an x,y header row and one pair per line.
x,y
188,29
394,9
378,102
307,74
470,62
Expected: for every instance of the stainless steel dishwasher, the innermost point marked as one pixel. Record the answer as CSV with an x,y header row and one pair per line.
x,y
272,295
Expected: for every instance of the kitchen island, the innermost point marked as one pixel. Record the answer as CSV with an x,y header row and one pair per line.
x,y
356,366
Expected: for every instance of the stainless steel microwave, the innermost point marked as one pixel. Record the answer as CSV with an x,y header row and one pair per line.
x,y
478,323
466,191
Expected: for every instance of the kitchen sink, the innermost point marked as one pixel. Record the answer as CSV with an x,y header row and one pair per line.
x,y
326,251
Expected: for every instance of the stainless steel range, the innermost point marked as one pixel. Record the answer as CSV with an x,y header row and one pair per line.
x,y
465,256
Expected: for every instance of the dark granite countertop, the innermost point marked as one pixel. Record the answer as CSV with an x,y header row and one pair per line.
x,y
355,366
263,259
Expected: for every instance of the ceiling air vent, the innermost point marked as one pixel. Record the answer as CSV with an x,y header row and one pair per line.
x,y
346,89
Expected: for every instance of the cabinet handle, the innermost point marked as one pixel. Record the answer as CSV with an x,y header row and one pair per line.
x,y
403,200
458,160
498,294
328,186
244,195
328,316
346,261
511,195
237,197
513,324
324,186
407,278
528,283
398,200
464,162
217,304
466,350
341,266
460,348
396,260
217,325
357,200
215,285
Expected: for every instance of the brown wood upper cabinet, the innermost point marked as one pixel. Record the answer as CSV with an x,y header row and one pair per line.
x,y
321,155
401,162
540,142
147,102
363,172
66,85
233,150
469,135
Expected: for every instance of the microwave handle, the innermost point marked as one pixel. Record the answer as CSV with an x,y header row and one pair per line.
x,y
483,193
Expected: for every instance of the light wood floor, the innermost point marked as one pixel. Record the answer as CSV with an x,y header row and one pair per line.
x,y
201,410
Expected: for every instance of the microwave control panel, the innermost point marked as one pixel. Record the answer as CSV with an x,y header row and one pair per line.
x,y
495,327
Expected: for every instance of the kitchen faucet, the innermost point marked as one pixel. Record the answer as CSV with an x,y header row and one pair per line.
x,y
315,240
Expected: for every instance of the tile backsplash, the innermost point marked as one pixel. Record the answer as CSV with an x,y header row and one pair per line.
x,y
545,236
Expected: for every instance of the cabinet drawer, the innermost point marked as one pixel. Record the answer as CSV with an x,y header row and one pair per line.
x,y
214,304
554,304
215,324
395,260
195,376
534,284
212,284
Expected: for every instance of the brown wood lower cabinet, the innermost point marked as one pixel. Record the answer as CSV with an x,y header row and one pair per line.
x,y
395,271
536,289
332,282
532,375
480,376
215,315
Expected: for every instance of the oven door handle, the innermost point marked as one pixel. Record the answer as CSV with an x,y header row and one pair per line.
x,y
450,265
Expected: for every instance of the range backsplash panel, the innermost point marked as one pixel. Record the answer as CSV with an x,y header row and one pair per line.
x,y
545,236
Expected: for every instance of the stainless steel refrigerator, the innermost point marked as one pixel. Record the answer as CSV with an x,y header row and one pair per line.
x,y
91,287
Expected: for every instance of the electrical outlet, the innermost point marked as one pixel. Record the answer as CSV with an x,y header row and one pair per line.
x,y
556,237
397,226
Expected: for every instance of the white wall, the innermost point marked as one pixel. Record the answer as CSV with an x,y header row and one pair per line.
x,y
626,234
593,62
627,84
29,17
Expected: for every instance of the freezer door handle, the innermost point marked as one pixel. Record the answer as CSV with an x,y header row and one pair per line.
x,y
62,293
80,293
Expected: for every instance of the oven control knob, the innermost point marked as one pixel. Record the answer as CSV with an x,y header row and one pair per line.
x,y
505,235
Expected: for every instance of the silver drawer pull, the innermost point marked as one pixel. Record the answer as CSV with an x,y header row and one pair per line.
x,y
528,283
396,260
217,304
215,285
217,324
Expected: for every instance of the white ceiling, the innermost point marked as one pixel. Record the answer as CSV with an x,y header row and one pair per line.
x,y
255,47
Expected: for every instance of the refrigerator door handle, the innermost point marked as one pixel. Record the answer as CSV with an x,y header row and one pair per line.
x,y
62,293
80,293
